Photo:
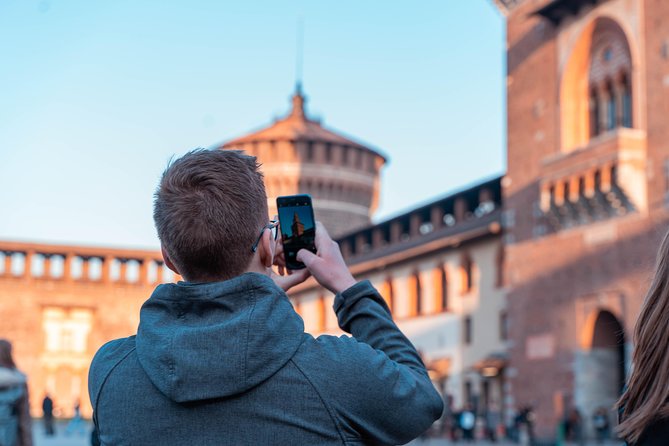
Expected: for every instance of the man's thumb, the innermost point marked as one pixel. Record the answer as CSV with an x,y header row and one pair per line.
x,y
305,256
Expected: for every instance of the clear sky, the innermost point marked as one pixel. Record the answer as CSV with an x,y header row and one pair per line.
x,y
96,96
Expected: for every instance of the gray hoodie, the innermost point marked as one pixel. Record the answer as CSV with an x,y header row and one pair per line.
x,y
229,363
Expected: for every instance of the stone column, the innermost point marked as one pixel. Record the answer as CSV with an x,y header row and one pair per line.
x,y
360,243
27,264
46,272
460,209
123,272
414,225
437,217
8,263
160,272
574,188
144,271
85,268
395,231
106,269
67,266
559,193
606,177
545,198
377,238
590,183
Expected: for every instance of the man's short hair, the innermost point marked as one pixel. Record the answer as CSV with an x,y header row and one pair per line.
x,y
209,208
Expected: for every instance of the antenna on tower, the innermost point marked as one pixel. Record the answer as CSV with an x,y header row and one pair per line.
x,y
299,55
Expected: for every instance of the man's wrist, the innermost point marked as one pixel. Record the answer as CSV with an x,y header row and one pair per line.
x,y
344,284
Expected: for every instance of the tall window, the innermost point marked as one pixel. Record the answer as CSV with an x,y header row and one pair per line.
x,y
626,93
466,273
611,121
310,151
328,153
415,293
499,282
503,326
440,289
594,113
467,330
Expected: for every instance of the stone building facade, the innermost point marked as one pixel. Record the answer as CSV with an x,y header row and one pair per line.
x,y
59,304
300,156
585,193
439,268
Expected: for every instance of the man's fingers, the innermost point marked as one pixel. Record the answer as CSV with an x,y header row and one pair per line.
x,y
307,257
289,281
322,236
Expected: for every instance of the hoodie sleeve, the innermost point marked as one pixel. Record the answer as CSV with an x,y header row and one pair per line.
x,y
378,387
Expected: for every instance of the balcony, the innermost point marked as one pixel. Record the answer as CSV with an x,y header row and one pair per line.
x,y
605,179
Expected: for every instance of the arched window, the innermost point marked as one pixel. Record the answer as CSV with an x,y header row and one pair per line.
x,y
604,102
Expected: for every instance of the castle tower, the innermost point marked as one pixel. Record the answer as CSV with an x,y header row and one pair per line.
x,y
300,156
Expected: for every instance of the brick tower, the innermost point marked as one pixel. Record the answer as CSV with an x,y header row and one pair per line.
x,y
585,194
300,156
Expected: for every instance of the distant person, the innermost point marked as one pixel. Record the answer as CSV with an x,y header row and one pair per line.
x,y
15,422
47,411
76,424
493,419
644,406
222,357
600,421
467,423
575,423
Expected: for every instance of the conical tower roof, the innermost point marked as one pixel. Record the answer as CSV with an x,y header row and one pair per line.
x,y
298,126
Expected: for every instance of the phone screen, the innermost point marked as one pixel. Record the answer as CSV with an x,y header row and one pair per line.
x,y
298,227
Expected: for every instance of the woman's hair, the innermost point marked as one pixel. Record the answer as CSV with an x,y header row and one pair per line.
x,y
647,395
6,359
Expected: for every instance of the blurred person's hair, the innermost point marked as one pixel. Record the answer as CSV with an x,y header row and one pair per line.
x,y
208,210
646,398
6,359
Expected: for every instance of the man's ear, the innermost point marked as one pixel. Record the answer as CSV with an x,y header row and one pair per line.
x,y
168,261
265,251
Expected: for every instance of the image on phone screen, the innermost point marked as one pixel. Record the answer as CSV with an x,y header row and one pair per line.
x,y
298,228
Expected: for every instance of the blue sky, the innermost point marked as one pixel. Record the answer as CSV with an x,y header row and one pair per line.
x,y
96,96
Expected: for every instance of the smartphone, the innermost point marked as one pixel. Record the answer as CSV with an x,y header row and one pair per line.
x,y
298,227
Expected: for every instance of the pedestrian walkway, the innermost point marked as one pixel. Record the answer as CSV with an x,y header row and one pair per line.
x,y
443,442
82,438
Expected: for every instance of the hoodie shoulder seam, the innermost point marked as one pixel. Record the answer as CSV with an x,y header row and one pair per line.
x,y
327,407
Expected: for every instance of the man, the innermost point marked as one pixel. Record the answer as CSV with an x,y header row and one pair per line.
x,y
47,410
222,358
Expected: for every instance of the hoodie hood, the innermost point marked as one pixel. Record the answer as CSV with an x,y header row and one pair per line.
x,y
211,340
11,377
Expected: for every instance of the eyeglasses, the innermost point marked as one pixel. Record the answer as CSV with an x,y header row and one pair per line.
x,y
273,226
